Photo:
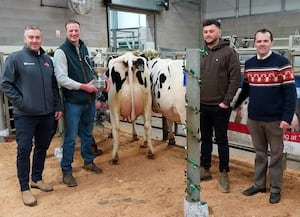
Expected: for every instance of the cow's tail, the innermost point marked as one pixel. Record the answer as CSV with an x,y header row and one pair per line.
x,y
130,78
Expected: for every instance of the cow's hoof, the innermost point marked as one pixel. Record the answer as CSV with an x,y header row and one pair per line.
x,y
98,152
145,145
150,156
95,149
172,141
113,162
135,138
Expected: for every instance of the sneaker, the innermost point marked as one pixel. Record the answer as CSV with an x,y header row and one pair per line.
x,y
28,198
41,185
69,180
224,182
274,197
205,174
92,167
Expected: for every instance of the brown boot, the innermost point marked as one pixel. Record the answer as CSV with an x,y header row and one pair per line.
x,y
92,167
205,174
28,198
41,185
224,182
69,180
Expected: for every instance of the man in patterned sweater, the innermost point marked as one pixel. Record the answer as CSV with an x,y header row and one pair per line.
x,y
269,83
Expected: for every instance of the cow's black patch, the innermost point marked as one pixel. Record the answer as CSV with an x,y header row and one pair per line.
x,y
139,64
139,77
162,79
158,94
154,63
116,79
125,64
140,67
169,71
153,85
145,83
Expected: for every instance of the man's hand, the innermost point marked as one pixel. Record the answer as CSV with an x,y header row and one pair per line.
x,y
222,105
89,87
284,125
58,115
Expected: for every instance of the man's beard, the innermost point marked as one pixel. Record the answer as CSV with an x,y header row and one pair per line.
x,y
213,42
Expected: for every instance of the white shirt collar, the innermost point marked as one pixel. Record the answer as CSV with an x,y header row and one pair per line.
x,y
265,57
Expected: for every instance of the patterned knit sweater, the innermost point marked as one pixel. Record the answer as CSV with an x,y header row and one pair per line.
x,y
270,85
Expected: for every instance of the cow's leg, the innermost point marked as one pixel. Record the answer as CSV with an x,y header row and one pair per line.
x,y
110,134
115,122
171,136
134,134
147,131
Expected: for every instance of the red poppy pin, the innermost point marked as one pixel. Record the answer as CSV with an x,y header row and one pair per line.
x,y
46,64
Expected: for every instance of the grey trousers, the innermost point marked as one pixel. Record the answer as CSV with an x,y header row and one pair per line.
x,y
266,134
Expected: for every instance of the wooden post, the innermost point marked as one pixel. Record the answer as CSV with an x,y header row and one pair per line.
x,y
193,204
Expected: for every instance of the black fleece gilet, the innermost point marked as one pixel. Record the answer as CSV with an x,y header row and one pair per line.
x,y
78,70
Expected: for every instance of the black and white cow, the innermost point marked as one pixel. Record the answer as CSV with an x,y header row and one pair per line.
x,y
129,97
168,91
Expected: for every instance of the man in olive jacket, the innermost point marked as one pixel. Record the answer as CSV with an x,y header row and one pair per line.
x,y
220,78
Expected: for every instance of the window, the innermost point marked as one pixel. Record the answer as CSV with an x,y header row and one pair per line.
x,y
236,8
127,30
216,10
292,5
259,6
244,7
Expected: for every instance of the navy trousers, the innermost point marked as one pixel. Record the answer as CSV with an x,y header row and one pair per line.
x,y
29,130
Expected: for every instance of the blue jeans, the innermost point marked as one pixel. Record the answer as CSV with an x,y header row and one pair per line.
x,y
214,118
27,128
79,120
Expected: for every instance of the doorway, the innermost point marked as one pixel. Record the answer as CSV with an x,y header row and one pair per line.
x,y
130,30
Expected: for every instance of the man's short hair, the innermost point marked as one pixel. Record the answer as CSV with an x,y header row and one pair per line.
x,y
264,30
209,22
31,27
71,21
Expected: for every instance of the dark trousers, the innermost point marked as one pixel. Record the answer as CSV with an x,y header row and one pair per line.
x,y
214,119
29,128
